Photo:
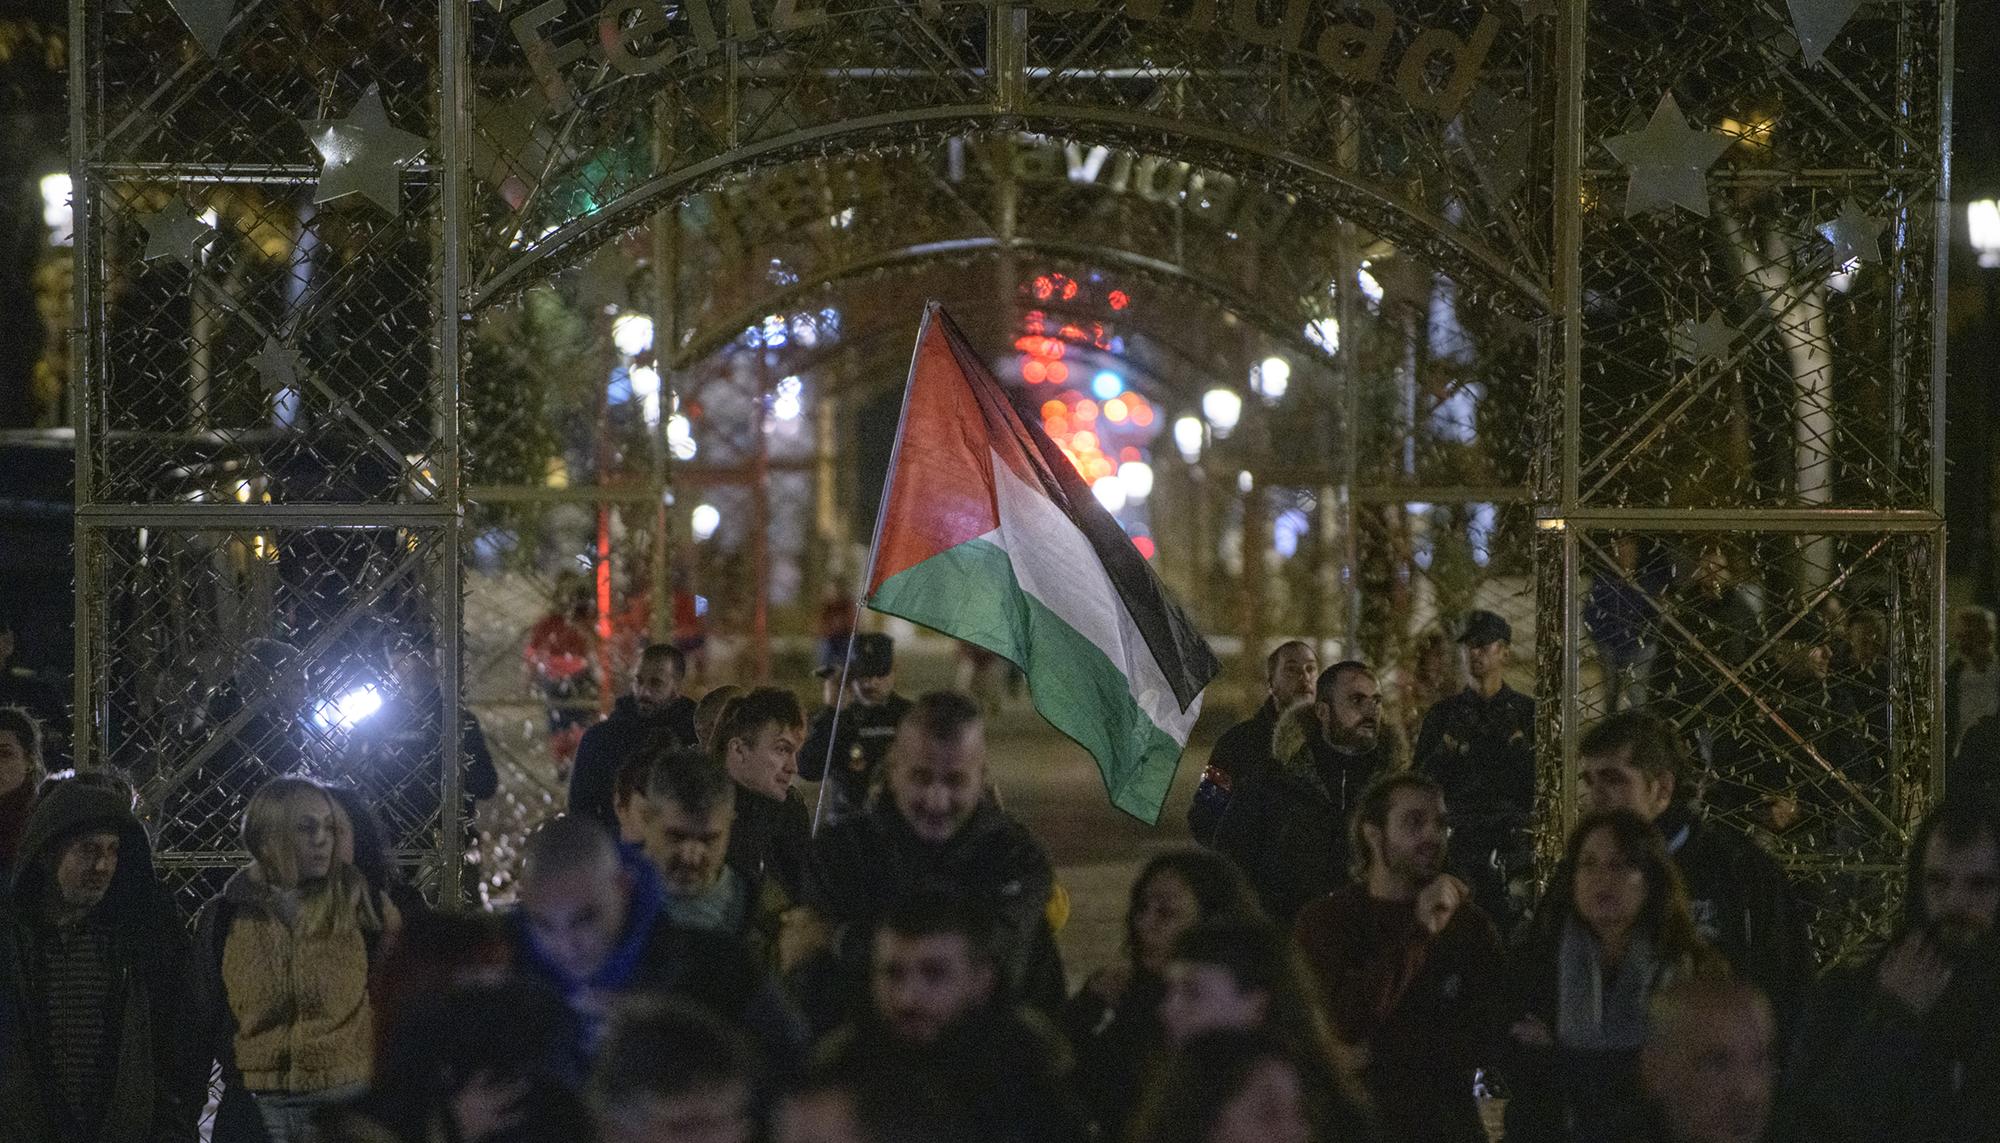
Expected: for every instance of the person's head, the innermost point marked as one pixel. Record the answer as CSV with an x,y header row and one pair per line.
x,y
870,667
937,765
1711,569
1972,633
758,738
1225,974
575,893
292,830
1867,635
865,1096
20,748
1618,880
1953,894
1487,639
690,806
932,966
507,1032
1633,761
1707,1066
1290,671
708,712
360,840
703,1095
1349,705
1625,554
1230,1086
86,861
1398,832
656,681
108,778
1176,891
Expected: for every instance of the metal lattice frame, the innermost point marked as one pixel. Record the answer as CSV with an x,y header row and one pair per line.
x,y
1696,382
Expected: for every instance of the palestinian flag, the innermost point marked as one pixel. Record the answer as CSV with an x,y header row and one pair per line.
x,y
988,534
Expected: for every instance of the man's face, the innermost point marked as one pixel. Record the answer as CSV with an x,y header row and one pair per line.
x,y
1292,678
13,762
874,690
576,916
1411,844
1961,892
84,868
687,848
1486,660
1712,1074
937,783
717,1115
1611,782
921,985
769,763
1353,716
655,684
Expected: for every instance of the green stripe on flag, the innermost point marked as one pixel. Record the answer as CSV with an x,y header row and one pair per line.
x,y
969,592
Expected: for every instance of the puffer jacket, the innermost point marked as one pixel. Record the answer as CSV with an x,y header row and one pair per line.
x,y
1287,824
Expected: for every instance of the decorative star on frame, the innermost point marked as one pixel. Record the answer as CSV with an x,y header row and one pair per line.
x,y
1817,22
207,21
1704,341
1854,236
363,154
279,366
173,231
1669,161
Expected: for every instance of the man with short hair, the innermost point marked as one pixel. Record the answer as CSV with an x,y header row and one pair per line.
x,y
934,829
1901,1046
757,738
1480,746
706,1095
1287,825
98,1042
1409,965
655,713
1709,1063
850,737
1740,898
1289,674
685,831
592,924
938,1017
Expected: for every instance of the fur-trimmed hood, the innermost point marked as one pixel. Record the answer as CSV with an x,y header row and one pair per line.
x,y
1303,756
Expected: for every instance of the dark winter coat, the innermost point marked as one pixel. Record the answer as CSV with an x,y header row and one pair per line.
x,y
1243,749
863,867
1976,766
1116,1044
1482,751
1954,724
711,970
158,1079
593,780
1287,826
1743,906
857,749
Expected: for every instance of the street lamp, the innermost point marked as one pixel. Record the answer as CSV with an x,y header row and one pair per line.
x,y
1223,408
1188,435
632,333
1982,218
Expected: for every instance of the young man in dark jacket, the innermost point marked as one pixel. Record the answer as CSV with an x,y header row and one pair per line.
x,y
1245,748
849,738
1409,965
1741,900
96,975
592,925
935,830
1902,1046
655,711
1287,826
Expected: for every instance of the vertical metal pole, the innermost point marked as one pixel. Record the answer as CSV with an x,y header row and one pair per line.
x,y
449,609
1941,289
666,341
760,518
1571,30
85,328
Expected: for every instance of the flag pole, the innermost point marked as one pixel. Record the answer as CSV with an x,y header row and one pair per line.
x,y
874,549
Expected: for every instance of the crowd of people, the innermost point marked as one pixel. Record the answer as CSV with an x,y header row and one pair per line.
x,y
1355,950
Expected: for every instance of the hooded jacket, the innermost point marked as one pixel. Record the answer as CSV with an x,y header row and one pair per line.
x,y
593,780
1287,825
862,867
157,1080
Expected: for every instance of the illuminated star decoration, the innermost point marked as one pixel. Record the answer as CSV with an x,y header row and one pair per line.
x,y
1669,161
364,155
207,21
1817,22
1854,236
1706,341
173,231
278,366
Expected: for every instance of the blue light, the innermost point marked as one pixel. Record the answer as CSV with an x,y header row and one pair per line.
x,y
1107,385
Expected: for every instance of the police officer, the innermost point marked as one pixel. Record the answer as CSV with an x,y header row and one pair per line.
x,y
1479,744
869,713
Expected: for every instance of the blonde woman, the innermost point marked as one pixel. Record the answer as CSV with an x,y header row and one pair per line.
x,y
285,952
